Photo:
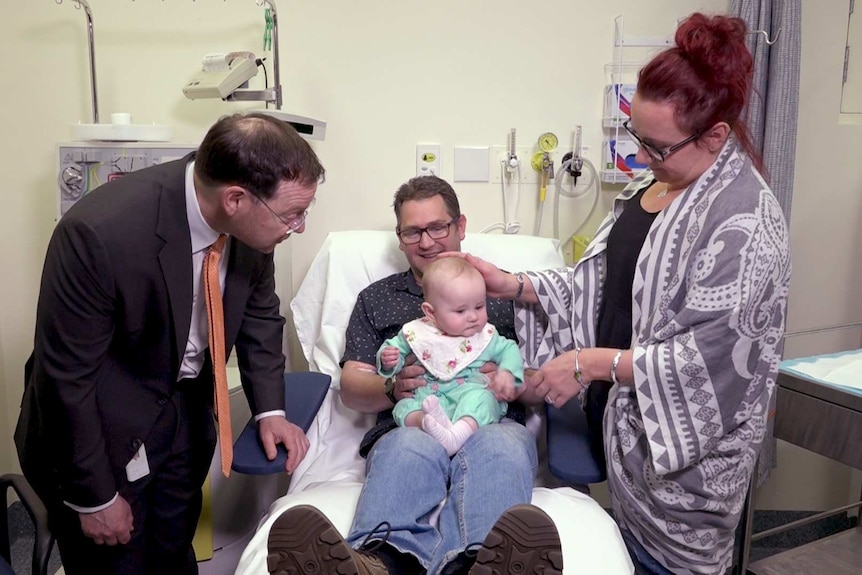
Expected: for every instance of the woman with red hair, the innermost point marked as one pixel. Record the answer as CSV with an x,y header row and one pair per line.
x,y
670,327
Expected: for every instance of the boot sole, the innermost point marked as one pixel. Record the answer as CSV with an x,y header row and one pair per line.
x,y
524,541
302,541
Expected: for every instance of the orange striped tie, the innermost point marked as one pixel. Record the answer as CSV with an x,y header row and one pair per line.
x,y
215,323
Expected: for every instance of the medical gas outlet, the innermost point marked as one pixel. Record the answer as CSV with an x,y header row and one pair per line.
x,y
427,159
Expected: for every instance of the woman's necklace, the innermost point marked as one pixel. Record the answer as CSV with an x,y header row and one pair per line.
x,y
663,193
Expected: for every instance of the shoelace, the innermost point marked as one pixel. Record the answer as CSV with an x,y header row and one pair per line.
x,y
377,543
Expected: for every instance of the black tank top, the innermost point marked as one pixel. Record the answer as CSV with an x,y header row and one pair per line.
x,y
614,327
625,241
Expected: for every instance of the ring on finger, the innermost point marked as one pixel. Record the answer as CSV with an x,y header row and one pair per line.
x,y
549,400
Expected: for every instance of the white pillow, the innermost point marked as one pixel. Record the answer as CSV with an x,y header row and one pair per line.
x,y
350,261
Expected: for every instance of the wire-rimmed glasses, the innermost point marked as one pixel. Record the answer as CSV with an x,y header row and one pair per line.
x,y
293,223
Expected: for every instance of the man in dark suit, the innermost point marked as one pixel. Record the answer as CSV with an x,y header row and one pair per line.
x,y
116,430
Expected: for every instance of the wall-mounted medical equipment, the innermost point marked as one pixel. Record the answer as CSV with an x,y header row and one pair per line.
x,y
544,164
618,104
510,178
619,151
121,127
619,160
227,76
220,75
570,183
82,167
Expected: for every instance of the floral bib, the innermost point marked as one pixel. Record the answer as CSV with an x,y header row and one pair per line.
x,y
444,356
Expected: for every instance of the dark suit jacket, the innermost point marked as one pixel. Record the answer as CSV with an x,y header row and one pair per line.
x,y
112,324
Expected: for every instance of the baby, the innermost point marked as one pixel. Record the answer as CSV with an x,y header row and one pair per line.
x,y
452,341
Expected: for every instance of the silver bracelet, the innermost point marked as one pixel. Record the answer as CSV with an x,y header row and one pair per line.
x,y
578,372
520,277
582,395
614,365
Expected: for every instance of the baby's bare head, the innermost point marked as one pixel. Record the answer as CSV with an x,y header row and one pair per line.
x,y
445,275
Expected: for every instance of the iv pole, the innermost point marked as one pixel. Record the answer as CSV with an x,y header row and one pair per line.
x,y
92,54
268,95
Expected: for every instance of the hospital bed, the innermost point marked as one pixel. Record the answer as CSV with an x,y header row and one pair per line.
x,y
331,475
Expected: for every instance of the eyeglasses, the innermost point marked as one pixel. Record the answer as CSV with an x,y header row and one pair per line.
x,y
658,154
435,231
294,223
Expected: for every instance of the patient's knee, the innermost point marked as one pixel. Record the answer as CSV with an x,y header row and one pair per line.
x,y
506,441
408,443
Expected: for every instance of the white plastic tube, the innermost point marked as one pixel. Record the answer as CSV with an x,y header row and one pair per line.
x,y
575,192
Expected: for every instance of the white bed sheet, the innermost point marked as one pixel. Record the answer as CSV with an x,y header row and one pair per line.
x,y
591,541
332,472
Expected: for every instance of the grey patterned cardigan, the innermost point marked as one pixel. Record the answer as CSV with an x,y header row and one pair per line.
x,y
709,304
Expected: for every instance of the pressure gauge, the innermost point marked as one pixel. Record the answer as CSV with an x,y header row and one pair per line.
x,y
73,182
548,142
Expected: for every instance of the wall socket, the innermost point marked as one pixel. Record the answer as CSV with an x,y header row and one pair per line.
x,y
428,159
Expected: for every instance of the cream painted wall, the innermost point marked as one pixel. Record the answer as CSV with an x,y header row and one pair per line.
x,y
386,76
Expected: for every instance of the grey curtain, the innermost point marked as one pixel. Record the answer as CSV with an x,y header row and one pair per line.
x,y
772,117
772,111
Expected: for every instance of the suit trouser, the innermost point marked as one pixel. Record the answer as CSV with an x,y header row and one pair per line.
x,y
166,504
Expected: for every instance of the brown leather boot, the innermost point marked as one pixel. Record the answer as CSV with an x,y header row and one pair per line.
x,y
523,540
302,540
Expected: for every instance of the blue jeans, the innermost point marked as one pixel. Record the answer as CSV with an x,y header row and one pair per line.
x,y
408,474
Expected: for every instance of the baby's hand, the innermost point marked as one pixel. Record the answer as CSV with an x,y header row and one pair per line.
x,y
389,357
502,384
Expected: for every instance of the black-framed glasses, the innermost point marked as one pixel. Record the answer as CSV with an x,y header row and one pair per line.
x,y
436,231
654,152
293,223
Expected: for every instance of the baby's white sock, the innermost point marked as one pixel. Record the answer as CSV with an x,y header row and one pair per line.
x,y
431,406
452,438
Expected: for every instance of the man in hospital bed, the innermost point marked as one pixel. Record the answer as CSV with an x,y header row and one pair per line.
x,y
330,478
408,472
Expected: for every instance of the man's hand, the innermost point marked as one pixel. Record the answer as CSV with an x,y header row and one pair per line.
x,y
389,357
276,429
409,378
111,525
489,368
502,384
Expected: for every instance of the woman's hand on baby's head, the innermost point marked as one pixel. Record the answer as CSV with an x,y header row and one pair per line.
x,y
475,261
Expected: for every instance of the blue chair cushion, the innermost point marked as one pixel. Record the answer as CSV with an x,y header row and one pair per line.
x,y
303,394
569,454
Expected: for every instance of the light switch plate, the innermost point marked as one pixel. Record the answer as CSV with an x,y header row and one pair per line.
x,y
470,163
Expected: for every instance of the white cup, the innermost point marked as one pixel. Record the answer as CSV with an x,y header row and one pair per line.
x,y
121,118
